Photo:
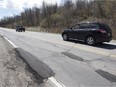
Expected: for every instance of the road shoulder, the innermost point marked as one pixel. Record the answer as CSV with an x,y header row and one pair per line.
x,y
14,72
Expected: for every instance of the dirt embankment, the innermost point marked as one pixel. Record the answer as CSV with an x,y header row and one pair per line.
x,y
14,72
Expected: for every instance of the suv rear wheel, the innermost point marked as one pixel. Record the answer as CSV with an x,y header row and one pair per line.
x,y
90,40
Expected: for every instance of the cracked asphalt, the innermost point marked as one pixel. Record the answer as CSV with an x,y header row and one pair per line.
x,y
14,72
74,64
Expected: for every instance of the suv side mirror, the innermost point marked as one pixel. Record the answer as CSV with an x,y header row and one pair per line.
x,y
73,28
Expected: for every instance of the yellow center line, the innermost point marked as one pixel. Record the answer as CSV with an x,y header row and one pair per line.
x,y
97,51
92,50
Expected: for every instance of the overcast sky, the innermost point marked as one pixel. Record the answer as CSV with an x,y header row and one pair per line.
x,y
13,7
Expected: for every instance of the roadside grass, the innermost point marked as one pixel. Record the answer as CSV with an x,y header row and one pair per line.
x,y
49,30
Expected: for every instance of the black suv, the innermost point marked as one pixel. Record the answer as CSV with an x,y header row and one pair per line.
x,y
89,32
20,28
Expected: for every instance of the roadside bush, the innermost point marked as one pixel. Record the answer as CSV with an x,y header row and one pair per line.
x,y
56,20
43,23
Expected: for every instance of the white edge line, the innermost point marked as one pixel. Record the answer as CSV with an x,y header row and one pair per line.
x,y
9,41
53,80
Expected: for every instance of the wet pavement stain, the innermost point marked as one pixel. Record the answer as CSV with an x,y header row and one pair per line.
x,y
70,55
107,75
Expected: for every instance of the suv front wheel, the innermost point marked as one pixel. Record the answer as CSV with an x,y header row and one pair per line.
x,y
90,40
65,37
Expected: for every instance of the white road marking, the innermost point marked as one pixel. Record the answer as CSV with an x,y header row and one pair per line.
x,y
10,41
57,84
52,79
1,34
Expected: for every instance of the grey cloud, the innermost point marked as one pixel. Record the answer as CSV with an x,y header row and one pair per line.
x,y
10,4
1,3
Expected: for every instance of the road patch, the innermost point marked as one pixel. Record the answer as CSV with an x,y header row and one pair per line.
x,y
14,72
70,55
107,75
40,67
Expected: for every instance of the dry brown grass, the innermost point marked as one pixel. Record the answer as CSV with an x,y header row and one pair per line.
x,y
59,30
51,30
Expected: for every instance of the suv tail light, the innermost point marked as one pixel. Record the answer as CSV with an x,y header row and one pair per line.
x,y
102,31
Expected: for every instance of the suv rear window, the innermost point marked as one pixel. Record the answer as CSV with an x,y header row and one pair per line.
x,y
106,27
94,26
84,26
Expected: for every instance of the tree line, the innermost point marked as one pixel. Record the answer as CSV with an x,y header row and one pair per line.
x,y
65,15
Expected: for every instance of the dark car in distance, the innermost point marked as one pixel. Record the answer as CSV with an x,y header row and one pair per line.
x,y
89,32
20,28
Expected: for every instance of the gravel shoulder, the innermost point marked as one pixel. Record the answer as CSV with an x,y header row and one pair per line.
x,y
14,72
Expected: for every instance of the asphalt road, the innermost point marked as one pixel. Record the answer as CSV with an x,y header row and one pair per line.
x,y
72,64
